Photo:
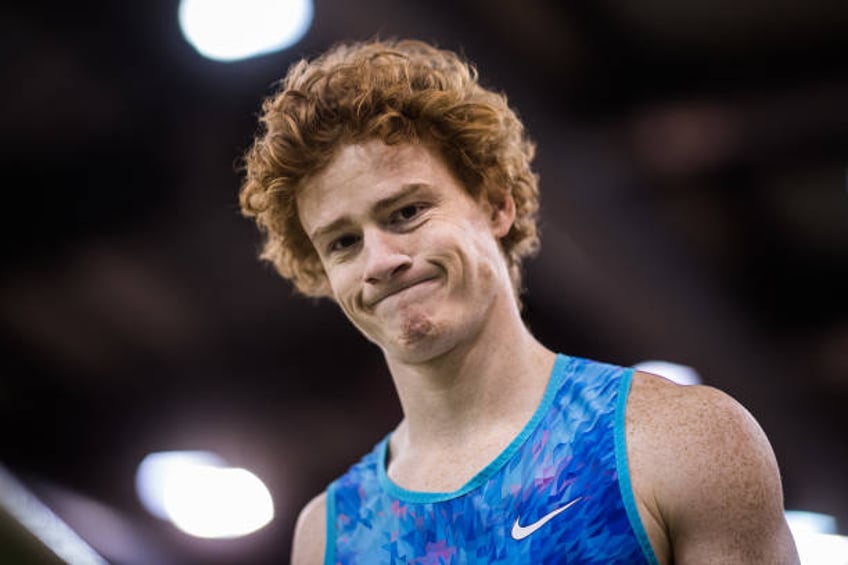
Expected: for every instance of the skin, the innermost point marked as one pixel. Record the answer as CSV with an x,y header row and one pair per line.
x,y
415,264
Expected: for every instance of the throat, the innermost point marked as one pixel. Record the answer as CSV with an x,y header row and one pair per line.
x,y
460,414
442,469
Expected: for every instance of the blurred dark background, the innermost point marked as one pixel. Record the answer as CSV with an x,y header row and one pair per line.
x,y
693,161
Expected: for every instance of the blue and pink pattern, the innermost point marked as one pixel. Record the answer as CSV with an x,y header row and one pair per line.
x,y
572,449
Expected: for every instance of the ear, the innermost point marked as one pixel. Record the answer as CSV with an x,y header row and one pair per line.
x,y
502,214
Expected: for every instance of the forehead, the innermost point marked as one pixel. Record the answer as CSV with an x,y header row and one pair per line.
x,y
362,174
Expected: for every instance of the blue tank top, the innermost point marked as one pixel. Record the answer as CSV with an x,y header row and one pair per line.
x,y
559,493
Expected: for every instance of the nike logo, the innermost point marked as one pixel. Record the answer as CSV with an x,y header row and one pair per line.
x,y
520,532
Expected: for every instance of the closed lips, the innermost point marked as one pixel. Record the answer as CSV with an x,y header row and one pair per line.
x,y
399,288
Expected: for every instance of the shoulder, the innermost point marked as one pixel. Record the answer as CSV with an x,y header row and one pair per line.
x,y
704,474
703,430
699,416
310,532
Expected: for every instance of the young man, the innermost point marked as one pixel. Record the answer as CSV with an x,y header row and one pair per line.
x,y
388,180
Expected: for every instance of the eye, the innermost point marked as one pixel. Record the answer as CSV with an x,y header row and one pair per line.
x,y
343,243
407,213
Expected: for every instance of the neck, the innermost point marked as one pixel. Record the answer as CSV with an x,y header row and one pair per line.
x,y
484,387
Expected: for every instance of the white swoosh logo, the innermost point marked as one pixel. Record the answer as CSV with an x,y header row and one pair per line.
x,y
520,532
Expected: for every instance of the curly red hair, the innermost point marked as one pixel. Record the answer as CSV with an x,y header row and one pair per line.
x,y
399,90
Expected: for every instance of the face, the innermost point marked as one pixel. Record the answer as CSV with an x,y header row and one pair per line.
x,y
411,258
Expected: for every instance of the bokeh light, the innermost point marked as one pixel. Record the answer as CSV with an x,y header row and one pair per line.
x,y
203,497
232,30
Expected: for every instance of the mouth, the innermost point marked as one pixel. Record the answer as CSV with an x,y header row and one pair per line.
x,y
399,289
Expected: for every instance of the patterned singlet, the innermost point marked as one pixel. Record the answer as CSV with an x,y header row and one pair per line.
x,y
559,493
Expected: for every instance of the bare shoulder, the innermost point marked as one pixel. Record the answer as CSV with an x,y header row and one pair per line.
x,y
705,477
700,422
310,533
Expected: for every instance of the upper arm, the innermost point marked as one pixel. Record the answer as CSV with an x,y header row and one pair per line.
x,y
310,533
705,473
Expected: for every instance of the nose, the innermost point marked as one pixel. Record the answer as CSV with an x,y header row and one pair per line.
x,y
384,256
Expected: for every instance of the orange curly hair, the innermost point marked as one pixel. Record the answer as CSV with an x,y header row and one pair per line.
x,y
399,90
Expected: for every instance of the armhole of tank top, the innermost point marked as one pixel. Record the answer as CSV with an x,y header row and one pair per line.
x,y
330,537
623,469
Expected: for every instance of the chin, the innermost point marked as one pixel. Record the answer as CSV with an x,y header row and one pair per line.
x,y
419,339
417,328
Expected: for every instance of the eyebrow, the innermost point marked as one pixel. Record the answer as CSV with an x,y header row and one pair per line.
x,y
381,205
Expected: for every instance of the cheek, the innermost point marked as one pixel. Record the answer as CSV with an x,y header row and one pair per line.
x,y
482,254
342,287
465,247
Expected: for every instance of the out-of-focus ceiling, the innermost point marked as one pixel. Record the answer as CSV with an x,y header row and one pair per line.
x,y
693,163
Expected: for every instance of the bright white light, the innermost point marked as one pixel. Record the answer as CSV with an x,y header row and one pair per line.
x,y
821,549
230,30
815,538
201,496
211,502
810,522
681,374
157,469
